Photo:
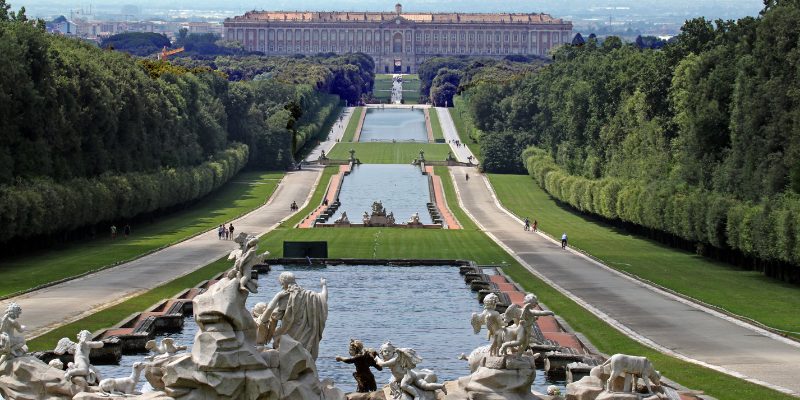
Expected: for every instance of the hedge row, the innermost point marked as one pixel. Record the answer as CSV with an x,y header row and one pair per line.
x,y
323,109
769,230
42,207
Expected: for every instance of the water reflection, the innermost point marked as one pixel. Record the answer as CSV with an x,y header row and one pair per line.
x,y
390,124
402,189
427,308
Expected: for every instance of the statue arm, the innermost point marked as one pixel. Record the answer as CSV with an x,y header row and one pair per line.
x,y
94,344
388,363
324,293
273,304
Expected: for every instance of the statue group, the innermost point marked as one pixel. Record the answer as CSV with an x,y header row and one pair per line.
x,y
270,352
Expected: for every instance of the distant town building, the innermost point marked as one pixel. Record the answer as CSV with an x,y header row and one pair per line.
x,y
100,29
398,41
63,26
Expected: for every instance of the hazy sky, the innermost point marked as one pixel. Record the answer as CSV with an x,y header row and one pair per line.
x,y
689,8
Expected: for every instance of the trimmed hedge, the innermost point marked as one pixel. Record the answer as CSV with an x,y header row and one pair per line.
x,y
768,230
43,207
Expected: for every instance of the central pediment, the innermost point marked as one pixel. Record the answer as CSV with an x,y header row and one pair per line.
x,y
398,22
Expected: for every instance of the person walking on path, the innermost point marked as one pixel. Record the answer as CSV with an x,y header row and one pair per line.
x,y
220,231
535,225
527,224
466,177
230,231
113,231
126,230
564,240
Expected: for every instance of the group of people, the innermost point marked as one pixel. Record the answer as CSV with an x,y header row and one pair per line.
x,y
457,143
535,228
528,226
293,206
126,230
225,232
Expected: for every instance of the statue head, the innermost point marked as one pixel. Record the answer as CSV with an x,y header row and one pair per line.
x,y
14,310
84,336
387,350
356,347
150,345
286,279
56,363
531,299
259,309
490,301
252,242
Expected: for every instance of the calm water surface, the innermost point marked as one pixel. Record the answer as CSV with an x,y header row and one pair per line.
x,y
426,308
402,125
402,189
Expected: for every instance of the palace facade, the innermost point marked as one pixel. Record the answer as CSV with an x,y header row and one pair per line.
x,y
398,41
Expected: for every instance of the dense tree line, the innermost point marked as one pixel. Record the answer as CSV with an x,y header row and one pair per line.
x,y
91,135
699,140
137,43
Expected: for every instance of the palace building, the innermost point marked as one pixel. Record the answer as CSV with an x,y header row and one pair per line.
x,y
398,42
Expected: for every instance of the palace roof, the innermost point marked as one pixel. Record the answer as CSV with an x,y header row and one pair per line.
x,y
346,16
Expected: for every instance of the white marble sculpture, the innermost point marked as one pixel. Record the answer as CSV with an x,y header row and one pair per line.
x,y
166,348
493,321
390,218
365,218
246,258
519,325
302,314
408,383
414,219
81,366
56,363
630,368
12,339
126,385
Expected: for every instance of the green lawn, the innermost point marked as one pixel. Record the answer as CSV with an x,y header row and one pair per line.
x,y
469,243
436,127
383,88
746,293
243,193
352,125
389,153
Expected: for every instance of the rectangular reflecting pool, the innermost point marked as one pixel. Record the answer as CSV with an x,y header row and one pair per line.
x,y
389,124
425,308
402,189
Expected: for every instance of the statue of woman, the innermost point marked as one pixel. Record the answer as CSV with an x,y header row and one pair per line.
x,y
301,313
408,383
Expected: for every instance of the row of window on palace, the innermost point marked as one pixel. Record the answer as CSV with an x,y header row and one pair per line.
x,y
408,49
427,36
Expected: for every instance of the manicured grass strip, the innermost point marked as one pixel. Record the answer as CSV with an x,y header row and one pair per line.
x,y
436,127
742,292
245,192
452,200
352,125
316,198
389,153
464,126
113,315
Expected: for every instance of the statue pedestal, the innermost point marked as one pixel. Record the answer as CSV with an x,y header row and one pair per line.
x,y
497,378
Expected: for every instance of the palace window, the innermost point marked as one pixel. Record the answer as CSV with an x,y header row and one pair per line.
x,y
505,37
306,34
453,36
515,37
435,36
463,35
497,36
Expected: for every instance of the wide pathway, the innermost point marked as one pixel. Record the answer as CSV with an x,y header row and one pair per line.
x,y
51,307
334,136
668,323
462,153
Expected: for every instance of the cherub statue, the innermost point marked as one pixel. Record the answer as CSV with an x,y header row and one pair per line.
x,y
343,219
390,218
516,334
166,348
363,359
246,258
408,383
414,218
12,340
81,366
494,323
365,218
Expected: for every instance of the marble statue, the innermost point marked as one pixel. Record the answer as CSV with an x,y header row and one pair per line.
x,y
630,368
363,360
421,155
81,366
408,383
342,219
365,218
493,321
166,348
301,313
390,218
377,208
126,385
56,363
12,340
519,321
414,219
246,258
